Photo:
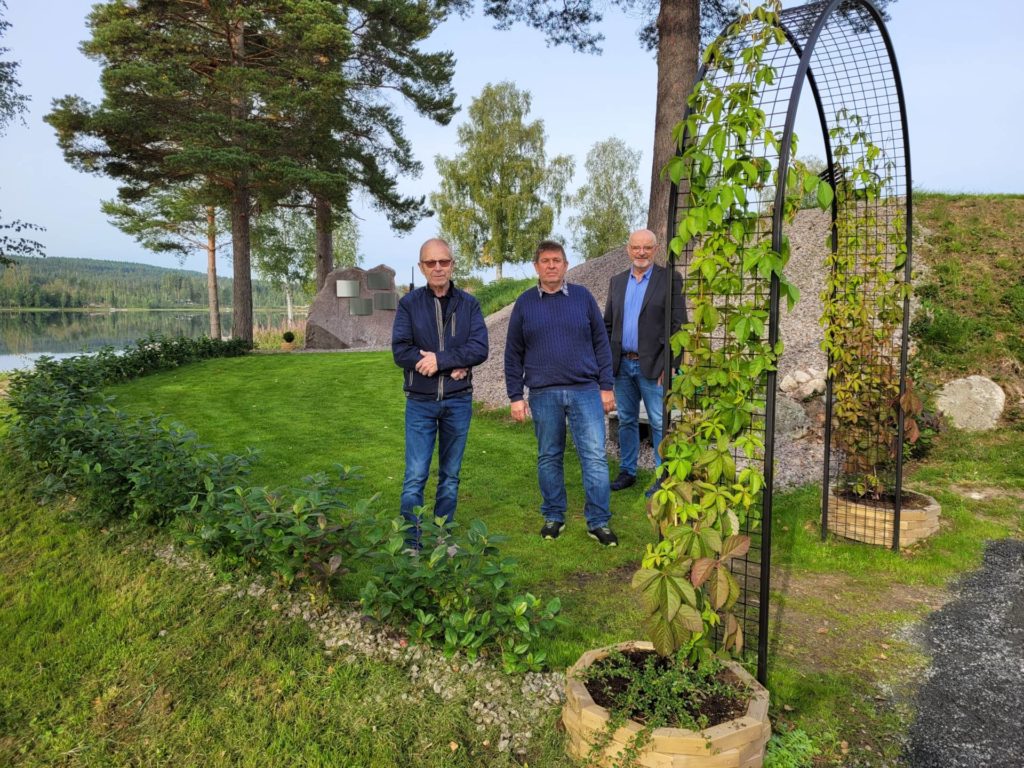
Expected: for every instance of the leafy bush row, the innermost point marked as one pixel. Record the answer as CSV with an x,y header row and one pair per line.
x,y
460,595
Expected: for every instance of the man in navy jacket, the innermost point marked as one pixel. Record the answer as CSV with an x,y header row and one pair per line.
x,y
438,336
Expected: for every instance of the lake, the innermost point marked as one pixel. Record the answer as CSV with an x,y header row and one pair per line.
x,y
24,336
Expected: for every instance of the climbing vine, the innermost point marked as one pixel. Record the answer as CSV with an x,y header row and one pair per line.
x,y
705,500
863,312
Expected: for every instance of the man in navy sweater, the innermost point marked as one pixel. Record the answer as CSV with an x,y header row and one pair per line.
x,y
557,346
438,336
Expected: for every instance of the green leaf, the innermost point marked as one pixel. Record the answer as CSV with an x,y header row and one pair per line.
x,y
825,194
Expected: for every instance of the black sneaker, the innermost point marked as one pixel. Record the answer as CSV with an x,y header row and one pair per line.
x,y
551,529
624,480
604,536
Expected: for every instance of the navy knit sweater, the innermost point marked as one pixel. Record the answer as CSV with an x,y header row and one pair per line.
x,y
556,340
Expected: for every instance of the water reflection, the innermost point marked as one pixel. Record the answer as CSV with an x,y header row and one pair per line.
x,y
26,335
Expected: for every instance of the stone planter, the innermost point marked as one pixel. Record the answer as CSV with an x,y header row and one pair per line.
x,y
739,743
287,346
874,524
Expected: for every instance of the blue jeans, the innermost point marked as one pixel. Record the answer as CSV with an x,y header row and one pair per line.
x,y
630,386
425,420
583,410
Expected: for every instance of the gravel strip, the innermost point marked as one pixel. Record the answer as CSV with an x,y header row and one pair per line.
x,y
969,710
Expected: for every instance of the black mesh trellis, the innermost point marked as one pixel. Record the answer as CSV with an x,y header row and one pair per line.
x,y
843,52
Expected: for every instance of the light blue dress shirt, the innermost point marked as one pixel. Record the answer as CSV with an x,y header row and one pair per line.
x,y
635,290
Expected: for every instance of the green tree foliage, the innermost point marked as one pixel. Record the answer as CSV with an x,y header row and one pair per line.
x,y
500,195
257,100
13,104
674,30
62,283
609,205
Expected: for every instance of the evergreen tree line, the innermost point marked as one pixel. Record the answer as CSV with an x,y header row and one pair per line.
x,y
64,283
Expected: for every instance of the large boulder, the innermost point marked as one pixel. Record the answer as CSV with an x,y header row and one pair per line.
x,y
973,404
336,321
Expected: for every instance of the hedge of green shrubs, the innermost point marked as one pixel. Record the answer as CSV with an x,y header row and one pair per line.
x,y
456,593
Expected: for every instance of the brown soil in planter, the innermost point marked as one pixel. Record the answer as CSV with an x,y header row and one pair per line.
x,y
887,500
717,708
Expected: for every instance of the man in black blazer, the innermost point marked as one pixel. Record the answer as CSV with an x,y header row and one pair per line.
x,y
635,318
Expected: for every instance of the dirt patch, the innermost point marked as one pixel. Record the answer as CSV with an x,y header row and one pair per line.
x,y
986,493
832,622
621,576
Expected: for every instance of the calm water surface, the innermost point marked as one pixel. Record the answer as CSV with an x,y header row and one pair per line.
x,y
25,336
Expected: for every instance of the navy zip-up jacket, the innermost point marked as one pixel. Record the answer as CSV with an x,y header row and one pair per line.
x,y
458,337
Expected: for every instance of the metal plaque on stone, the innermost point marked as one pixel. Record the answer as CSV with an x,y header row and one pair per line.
x,y
348,289
378,281
387,300
360,307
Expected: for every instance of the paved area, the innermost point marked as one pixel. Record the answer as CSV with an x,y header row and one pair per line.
x,y
971,709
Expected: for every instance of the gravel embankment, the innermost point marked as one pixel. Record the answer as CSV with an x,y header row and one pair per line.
x,y
797,461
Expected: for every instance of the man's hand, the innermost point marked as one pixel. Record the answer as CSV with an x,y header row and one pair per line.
x,y
458,374
520,411
608,400
661,377
427,365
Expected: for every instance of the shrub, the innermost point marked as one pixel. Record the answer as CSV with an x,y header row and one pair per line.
x,y
288,337
458,591
295,534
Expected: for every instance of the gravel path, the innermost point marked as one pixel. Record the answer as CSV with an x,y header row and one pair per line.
x,y
969,710
798,461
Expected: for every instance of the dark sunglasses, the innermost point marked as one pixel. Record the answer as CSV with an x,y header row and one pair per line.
x,y
431,263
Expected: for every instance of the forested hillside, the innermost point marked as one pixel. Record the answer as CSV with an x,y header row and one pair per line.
x,y
62,283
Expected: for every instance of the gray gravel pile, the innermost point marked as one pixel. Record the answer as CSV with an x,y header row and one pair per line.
x,y
969,710
797,461
503,706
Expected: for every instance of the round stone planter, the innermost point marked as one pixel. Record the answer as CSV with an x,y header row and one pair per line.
x,y
874,524
738,743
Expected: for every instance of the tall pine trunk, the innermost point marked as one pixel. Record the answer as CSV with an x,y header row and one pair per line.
x,y
240,203
678,54
324,241
241,268
211,271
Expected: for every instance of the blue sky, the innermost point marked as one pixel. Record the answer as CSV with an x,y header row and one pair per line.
x,y
962,75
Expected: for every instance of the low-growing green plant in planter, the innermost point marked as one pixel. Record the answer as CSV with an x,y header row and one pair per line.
x,y
704,502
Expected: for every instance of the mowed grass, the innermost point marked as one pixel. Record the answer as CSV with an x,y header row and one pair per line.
x,y
305,413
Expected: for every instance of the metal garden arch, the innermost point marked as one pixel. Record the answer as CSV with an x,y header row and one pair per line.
x,y
843,52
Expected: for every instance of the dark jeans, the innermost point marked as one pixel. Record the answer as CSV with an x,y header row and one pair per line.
x,y
447,421
630,387
551,409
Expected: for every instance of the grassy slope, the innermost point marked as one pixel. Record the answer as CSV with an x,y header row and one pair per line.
x,y
838,668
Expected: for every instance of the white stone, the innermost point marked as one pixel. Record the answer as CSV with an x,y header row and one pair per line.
x,y
973,404
801,377
788,383
812,388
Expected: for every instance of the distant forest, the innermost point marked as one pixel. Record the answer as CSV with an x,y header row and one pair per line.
x,y
62,283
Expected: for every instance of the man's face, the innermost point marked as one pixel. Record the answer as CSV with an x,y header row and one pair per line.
x,y
551,267
641,250
436,265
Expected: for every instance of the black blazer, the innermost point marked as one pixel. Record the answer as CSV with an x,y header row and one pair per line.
x,y
651,324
